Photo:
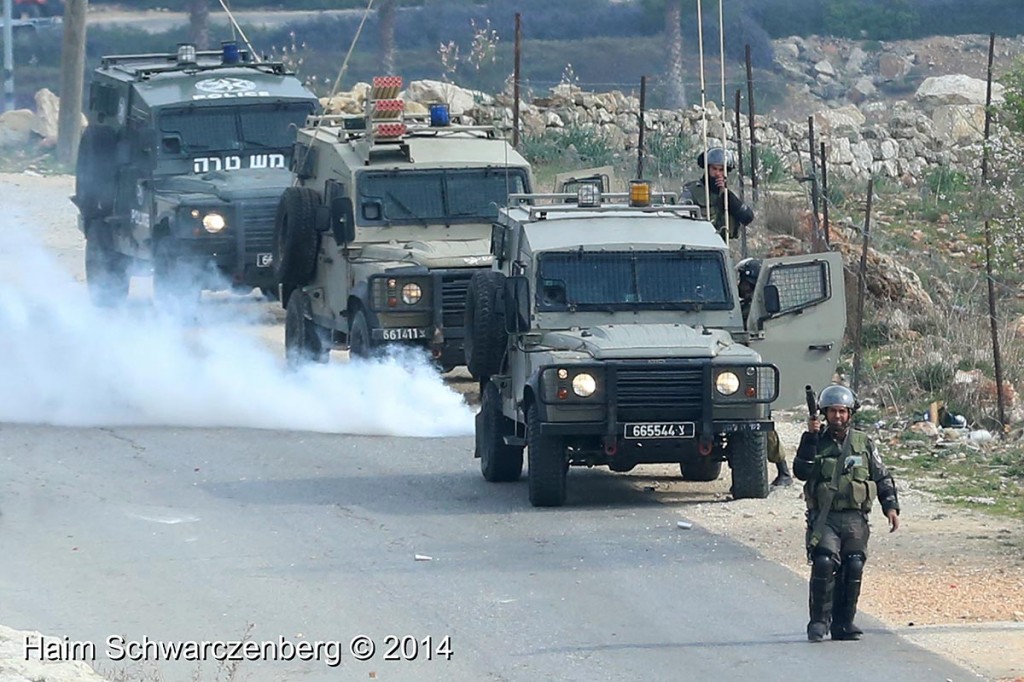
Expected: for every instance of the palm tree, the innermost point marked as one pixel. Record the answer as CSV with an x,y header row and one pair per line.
x,y
199,23
386,19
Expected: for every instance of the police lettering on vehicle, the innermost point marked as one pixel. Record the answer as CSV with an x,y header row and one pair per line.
x,y
225,88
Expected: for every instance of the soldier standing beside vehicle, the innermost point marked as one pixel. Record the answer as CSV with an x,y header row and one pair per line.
x,y
714,194
748,270
843,473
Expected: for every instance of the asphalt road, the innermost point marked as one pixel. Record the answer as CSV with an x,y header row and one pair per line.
x,y
216,533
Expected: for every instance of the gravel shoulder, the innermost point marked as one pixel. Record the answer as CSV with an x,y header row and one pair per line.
x,y
949,580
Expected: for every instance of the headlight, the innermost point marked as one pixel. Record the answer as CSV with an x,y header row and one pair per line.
x,y
411,294
727,383
213,222
584,385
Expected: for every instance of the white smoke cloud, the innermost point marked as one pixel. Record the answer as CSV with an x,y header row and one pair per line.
x,y
65,362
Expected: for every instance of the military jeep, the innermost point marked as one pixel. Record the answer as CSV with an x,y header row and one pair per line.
x,y
609,333
388,220
181,168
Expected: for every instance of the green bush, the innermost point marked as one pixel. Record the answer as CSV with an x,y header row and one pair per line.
x,y
570,144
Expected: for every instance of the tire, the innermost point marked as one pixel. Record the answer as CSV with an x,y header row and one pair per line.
x,y
360,344
304,340
106,271
499,463
548,466
486,336
95,174
748,458
698,468
295,239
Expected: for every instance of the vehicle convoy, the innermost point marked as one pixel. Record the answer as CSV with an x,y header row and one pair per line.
x,y
181,167
609,332
388,221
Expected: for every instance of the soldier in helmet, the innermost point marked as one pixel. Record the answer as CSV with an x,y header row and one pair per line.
x,y
843,474
748,270
718,163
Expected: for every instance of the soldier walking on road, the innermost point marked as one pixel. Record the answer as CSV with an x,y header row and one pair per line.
x,y
843,474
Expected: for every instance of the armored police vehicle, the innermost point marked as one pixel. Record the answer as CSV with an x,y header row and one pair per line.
x,y
389,220
181,167
610,333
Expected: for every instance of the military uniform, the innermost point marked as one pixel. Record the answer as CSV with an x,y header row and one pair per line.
x,y
739,212
837,547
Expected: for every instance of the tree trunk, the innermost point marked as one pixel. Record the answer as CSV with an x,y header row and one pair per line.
x,y
676,89
386,17
72,61
199,23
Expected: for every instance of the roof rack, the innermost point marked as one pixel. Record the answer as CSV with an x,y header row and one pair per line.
x,y
612,202
142,66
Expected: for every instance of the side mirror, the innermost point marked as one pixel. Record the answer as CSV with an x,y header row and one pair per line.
x,y
772,304
498,234
517,304
343,222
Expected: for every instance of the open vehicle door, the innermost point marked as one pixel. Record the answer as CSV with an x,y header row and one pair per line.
x,y
798,319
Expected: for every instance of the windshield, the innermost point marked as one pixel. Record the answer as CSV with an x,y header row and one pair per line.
x,y
436,196
194,130
587,280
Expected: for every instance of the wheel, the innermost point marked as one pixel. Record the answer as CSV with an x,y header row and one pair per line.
x,y
548,466
360,345
106,271
748,458
486,336
95,172
304,340
698,468
177,280
499,463
295,239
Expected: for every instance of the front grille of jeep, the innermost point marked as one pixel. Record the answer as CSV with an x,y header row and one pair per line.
x,y
659,392
454,286
258,225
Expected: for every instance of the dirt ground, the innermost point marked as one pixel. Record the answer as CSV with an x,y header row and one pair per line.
x,y
949,580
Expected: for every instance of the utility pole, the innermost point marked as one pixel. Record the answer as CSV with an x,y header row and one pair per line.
x,y
8,56
72,66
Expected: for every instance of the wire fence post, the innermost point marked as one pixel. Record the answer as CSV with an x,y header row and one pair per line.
x,y
515,81
862,280
640,138
750,117
825,198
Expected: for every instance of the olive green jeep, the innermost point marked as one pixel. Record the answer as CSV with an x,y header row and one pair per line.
x,y
611,334
388,219
181,168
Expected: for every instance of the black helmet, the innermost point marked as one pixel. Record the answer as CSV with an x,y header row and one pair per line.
x,y
749,269
837,396
716,156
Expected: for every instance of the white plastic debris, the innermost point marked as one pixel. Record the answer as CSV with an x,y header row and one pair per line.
x,y
424,557
685,525
981,436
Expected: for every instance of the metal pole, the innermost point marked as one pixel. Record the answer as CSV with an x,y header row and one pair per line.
x,y
72,66
993,317
8,55
753,139
515,83
640,138
816,245
824,194
739,146
862,288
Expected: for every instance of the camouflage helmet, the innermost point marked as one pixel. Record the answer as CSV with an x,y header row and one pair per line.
x,y
837,396
716,156
748,270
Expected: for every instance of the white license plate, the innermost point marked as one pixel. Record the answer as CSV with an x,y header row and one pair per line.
x,y
660,430
403,334
264,260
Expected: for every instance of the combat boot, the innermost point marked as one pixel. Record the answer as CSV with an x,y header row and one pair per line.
x,y
820,601
784,478
847,596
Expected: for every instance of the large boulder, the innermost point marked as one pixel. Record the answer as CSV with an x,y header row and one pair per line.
x,y
459,100
937,91
960,123
16,127
47,113
842,122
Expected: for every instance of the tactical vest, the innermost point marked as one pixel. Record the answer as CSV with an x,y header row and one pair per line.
x,y
855,490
